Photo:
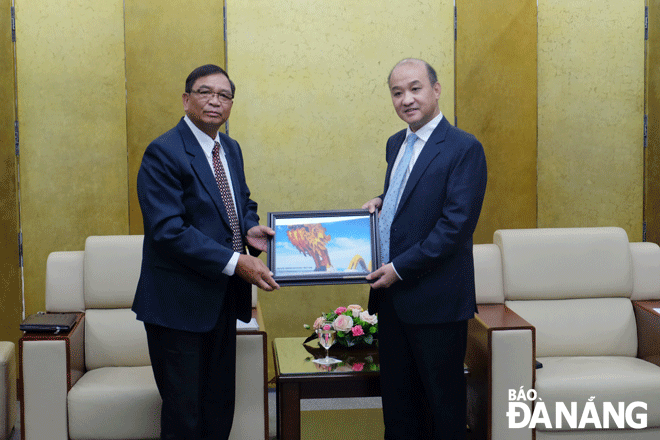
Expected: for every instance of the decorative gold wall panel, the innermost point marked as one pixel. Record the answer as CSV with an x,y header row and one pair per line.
x,y
161,50
72,114
652,177
11,306
496,101
313,112
590,114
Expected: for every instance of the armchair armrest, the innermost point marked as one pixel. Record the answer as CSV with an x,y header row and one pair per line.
x,y
500,356
648,330
251,381
49,366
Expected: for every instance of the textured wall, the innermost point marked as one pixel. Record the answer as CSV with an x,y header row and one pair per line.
x,y
11,305
313,111
652,178
496,101
72,113
161,50
590,114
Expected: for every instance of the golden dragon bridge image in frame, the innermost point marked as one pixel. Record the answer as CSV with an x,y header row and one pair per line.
x,y
323,247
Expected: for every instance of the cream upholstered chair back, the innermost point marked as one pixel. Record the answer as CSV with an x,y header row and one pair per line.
x,y
110,271
574,285
113,336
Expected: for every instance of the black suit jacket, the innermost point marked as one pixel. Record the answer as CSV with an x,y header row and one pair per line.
x,y
431,233
187,237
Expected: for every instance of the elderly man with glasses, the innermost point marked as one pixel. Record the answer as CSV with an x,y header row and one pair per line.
x,y
196,275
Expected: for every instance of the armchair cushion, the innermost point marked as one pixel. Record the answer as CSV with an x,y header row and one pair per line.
x,y
123,402
114,338
607,378
581,327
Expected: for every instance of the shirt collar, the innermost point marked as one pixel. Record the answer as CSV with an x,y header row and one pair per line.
x,y
425,132
204,139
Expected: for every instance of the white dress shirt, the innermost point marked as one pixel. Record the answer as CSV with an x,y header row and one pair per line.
x,y
207,145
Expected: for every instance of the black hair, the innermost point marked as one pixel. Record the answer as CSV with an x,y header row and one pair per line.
x,y
206,70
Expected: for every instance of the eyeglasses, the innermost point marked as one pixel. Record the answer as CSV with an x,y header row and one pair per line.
x,y
206,95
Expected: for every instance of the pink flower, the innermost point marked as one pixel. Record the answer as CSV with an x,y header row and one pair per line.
x,y
340,310
357,330
358,366
327,327
318,323
343,323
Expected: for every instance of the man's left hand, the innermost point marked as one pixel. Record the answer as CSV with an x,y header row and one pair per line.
x,y
384,277
257,237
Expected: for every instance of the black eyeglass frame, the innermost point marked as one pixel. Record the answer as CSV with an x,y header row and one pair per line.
x,y
206,95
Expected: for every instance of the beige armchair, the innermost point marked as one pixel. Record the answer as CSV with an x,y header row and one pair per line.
x,y
590,297
7,389
96,382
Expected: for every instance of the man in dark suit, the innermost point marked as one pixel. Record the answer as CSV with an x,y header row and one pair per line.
x,y
424,292
196,276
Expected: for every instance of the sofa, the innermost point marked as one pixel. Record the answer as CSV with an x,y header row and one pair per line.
x,y
566,341
95,381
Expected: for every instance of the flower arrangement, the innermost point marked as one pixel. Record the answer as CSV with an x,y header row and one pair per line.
x,y
353,324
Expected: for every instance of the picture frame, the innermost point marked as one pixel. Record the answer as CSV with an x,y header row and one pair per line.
x,y
323,247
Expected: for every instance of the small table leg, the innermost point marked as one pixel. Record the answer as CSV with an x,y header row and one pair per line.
x,y
288,411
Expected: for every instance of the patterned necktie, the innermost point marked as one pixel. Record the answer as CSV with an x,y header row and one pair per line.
x,y
392,200
223,185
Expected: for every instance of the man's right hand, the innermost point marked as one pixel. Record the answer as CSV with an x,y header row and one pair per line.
x,y
373,205
254,271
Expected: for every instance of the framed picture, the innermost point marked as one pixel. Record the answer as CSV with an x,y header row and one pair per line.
x,y
323,247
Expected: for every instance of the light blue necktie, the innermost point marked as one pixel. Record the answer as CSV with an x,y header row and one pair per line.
x,y
392,200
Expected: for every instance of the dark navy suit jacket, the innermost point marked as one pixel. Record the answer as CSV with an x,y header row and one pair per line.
x,y
187,237
431,233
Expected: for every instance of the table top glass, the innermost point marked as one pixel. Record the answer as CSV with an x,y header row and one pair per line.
x,y
292,357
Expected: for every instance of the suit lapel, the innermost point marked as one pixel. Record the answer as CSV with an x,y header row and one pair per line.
x,y
429,152
200,165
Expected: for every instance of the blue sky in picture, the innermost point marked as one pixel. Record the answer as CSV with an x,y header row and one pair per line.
x,y
350,236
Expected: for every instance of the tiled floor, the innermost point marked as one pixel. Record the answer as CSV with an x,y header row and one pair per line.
x,y
320,404
305,405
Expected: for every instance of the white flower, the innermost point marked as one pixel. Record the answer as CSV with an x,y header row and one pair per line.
x,y
369,319
355,310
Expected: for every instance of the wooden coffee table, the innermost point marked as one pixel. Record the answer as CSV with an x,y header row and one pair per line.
x,y
297,377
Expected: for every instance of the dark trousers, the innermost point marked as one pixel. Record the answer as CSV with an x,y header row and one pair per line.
x,y
196,377
422,378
